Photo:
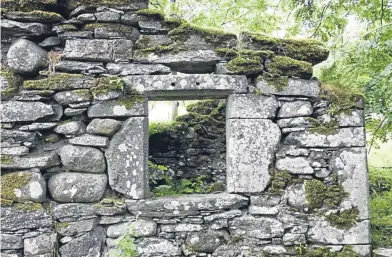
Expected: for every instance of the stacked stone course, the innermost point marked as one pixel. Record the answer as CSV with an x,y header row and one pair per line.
x,y
76,79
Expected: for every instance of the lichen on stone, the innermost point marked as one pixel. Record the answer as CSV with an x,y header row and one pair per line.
x,y
245,64
61,225
122,29
11,182
286,66
6,159
280,179
305,251
37,15
130,100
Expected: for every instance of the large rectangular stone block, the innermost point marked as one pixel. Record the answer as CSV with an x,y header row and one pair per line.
x,y
186,86
294,87
119,108
251,144
127,157
251,106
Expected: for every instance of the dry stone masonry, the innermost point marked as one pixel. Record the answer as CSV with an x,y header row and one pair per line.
x,y
76,79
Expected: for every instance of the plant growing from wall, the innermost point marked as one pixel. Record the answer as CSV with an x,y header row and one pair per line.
x,y
126,245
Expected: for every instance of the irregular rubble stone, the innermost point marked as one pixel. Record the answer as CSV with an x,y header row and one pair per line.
x,y
157,247
344,137
41,160
106,127
74,111
118,108
118,230
255,210
295,87
297,165
128,152
143,228
58,113
71,97
16,135
31,187
296,197
77,227
251,106
295,122
82,159
90,140
383,252
78,67
243,248
75,210
77,187
206,241
15,151
260,228
153,27
274,250
182,227
354,118
42,245
99,50
126,5
17,111
321,231
11,242
188,85
86,17
50,42
20,29
185,205
350,166
136,69
24,216
89,244
265,200
191,61
37,126
150,41
107,16
25,57
294,109
250,144
363,250
71,128
224,215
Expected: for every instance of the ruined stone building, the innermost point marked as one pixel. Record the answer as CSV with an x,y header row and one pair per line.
x,y
272,164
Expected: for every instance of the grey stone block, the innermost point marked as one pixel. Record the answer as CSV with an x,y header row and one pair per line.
x,y
295,87
186,86
353,118
90,140
106,127
118,108
24,216
206,241
15,151
78,67
18,111
295,109
43,245
259,228
37,126
20,29
70,128
72,97
344,137
82,159
250,147
137,69
41,160
76,228
157,247
11,242
251,106
127,156
77,187
295,165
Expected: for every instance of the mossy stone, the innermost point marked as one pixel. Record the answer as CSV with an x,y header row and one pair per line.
x,y
286,66
341,98
11,182
36,16
61,81
29,5
345,219
12,80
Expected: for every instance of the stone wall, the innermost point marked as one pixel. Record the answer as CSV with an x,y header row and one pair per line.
x,y
76,81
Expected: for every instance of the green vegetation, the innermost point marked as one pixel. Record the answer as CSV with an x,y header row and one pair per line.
x,y
318,194
279,83
280,179
28,206
245,64
152,165
126,245
305,251
6,159
12,82
61,225
325,128
344,219
182,186
58,81
106,85
129,101
11,182
287,66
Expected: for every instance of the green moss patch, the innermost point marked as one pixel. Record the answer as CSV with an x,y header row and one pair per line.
x,y
12,181
29,5
318,194
326,128
6,159
287,66
61,225
232,53
12,82
28,207
59,81
305,251
340,98
280,179
279,83
344,219
106,85
159,128
245,64
72,4
129,101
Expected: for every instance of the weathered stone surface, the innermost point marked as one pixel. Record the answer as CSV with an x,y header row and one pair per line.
x,y
74,111
136,69
251,106
191,61
119,108
206,242
151,41
50,42
354,118
157,247
58,112
18,111
126,5
79,67
90,244
37,126
47,17
99,50
11,242
26,58
182,227
265,200
297,165
351,168
344,137
106,127
295,109
383,252
107,16
256,210
90,140
153,27
295,122
185,85
244,248
82,159
321,231
260,228
72,97
224,215
43,245
127,156
77,187
117,230
295,87
61,81
15,151
41,160
71,128
250,144
186,205
75,210
20,29
296,197
76,228
31,187
16,135
363,250
143,228
24,216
